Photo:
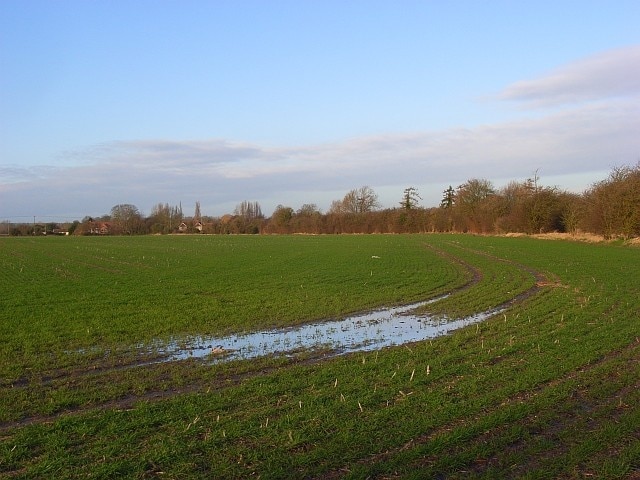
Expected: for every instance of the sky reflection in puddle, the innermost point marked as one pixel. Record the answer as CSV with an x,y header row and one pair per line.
x,y
364,332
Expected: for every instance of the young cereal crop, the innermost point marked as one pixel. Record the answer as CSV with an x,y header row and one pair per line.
x,y
84,390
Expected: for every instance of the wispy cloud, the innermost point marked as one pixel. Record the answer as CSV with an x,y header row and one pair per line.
x,y
595,129
613,73
17,173
591,137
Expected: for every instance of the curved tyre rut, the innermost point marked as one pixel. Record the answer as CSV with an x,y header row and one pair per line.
x,y
69,378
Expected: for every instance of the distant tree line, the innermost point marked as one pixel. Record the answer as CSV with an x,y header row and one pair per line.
x,y
610,208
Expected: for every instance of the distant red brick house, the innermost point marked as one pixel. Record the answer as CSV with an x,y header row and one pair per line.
x,y
100,228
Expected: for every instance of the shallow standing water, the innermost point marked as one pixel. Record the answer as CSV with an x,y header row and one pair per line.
x,y
364,332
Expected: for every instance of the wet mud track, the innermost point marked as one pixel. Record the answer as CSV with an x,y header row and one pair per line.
x,y
165,369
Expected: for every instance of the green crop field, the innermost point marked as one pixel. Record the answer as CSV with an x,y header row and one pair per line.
x,y
547,388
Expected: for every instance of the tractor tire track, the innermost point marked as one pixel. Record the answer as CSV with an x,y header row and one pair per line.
x,y
100,374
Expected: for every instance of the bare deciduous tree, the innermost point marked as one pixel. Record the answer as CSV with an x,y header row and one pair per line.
x,y
197,216
249,210
358,200
126,219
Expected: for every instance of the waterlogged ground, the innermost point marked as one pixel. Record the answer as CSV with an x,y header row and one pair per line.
x,y
364,332
369,331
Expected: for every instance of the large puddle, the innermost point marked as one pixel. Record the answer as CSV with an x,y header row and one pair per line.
x,y
364,332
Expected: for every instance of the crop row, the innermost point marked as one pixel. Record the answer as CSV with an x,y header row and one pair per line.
x,y
509,397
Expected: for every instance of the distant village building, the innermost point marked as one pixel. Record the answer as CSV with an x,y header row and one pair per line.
x,y
100,228
184,228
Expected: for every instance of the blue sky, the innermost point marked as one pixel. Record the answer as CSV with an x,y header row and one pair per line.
x,y
293,102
